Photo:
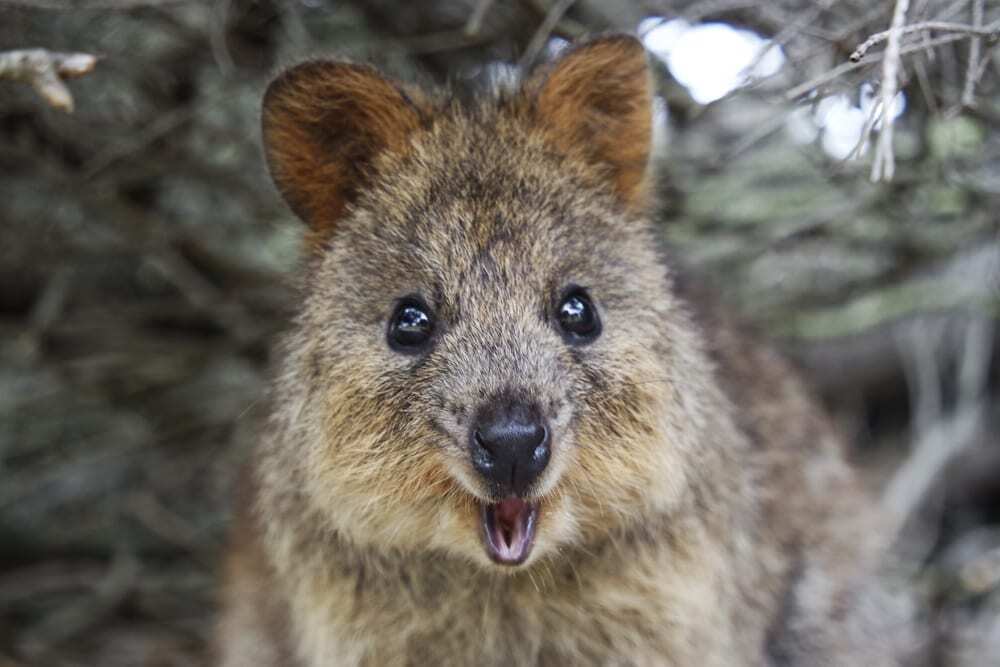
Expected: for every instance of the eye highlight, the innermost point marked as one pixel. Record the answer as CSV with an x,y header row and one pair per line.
x,y
577,317
411,326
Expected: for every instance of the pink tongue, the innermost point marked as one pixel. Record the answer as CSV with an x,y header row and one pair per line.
x,y
510,511
509,530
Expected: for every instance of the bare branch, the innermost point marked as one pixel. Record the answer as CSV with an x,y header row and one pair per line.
x,y
991,32
969,90
920,67
217,37
475,22
541,35
74,5
866,131
884,163
45,70
974,371
844,68
939,437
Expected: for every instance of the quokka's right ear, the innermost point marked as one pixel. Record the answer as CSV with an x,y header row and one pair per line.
x,y
323,125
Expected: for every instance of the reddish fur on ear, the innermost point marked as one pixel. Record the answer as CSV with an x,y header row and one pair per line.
x,y
323,125
596,102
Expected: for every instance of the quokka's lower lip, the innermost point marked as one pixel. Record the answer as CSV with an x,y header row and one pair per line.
x,y
509,529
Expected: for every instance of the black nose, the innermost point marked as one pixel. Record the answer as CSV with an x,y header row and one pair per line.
x,y
510,445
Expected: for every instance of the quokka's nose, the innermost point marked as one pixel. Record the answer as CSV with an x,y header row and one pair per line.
x,y
510,446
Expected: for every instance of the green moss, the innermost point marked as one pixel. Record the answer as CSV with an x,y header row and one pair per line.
x,y
942,200
879,307
955,137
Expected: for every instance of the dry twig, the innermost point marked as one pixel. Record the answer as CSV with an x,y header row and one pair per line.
x,y
843,68
969,89
45,70
475,22
884,162
541,35
991,31
73,5
940,438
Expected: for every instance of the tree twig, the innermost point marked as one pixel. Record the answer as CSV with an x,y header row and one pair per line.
x,y
538,40
991,31
74,5
217,37
884,162
475,22
940,438
844,68
969,89
45,71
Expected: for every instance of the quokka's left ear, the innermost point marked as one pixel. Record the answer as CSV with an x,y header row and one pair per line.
x,y
595,102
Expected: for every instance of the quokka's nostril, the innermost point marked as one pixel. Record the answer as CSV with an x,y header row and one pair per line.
x,y
541,454
482,442
482,454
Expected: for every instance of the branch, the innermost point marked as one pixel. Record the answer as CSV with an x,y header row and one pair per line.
x,y
543,33
45,70
991,32
971,75
939,437
74,5
884,162
844,68
475,22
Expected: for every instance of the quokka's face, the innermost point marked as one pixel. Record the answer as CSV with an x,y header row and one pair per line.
x,y
487,324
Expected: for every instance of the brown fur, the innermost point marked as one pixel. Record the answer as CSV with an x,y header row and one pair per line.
x,y
597,103
322,123
696,510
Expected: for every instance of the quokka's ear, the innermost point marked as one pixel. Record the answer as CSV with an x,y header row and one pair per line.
x,y
596,101
323,124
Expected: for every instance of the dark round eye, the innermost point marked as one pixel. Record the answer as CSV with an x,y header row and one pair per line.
x,y
578,318
411,326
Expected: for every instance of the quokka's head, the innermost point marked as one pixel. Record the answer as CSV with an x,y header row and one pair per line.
x,y
489,361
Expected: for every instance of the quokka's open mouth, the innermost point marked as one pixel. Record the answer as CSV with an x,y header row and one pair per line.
x,y
509,530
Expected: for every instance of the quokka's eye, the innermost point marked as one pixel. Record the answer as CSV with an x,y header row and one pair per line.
x,y
411,326
577,317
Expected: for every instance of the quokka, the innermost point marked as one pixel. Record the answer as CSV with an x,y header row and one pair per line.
x,y
503,432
